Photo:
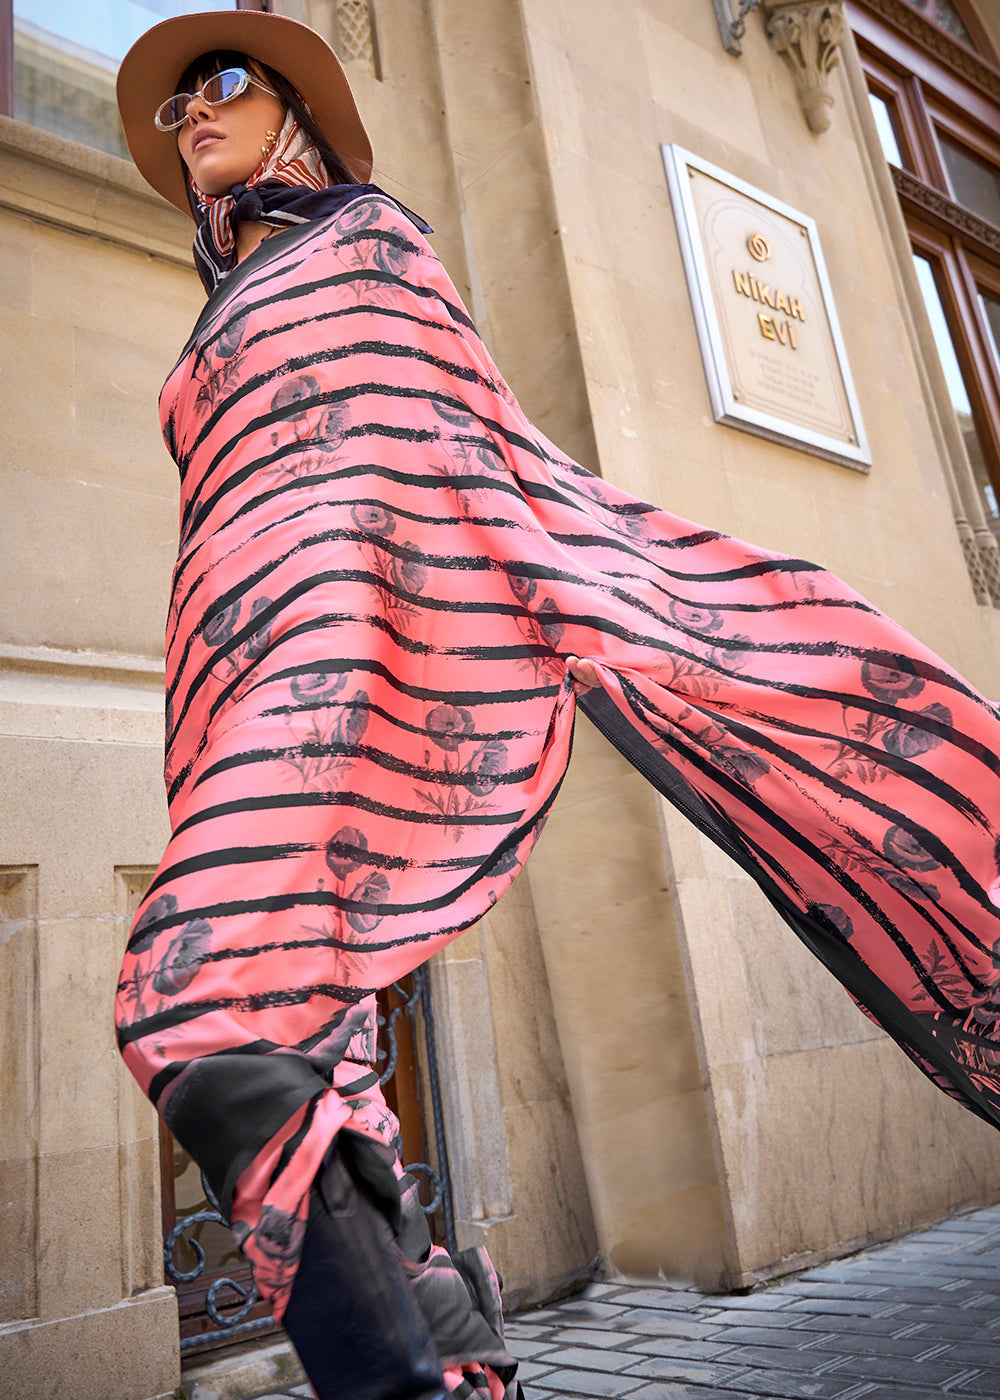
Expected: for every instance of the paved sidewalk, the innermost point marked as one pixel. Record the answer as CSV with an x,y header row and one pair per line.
x,y
918,1317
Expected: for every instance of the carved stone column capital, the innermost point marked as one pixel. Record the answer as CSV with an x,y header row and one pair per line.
x,y
807,35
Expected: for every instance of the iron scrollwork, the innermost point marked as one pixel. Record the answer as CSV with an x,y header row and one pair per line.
x,y
233,1326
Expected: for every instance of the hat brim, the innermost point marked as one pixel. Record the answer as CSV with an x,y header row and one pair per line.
x,y
149,72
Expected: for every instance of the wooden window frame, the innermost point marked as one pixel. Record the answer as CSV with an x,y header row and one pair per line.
x,y
934,85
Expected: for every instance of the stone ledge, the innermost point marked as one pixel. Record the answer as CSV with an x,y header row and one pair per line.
x,y
72,186
250,1369
126,1352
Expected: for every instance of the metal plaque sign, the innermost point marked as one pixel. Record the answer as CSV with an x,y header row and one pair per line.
x,y
770,340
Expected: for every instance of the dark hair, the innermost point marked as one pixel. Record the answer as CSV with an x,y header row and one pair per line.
x,y
214,62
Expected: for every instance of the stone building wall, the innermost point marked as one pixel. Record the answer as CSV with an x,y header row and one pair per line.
x,y
640,1060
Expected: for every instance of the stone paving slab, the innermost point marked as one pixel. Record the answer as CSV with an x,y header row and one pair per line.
x,y
913,1319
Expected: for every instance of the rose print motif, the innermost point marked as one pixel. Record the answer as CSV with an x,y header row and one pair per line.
x,y
380,252
144,933
487,764
448,726
891,678
522,587
184,958
300,389
222,358
693,618
277,1244
258,642
361,214
744,765
372,890
314,431
910,740
374,519
455,417
345,851
734,657
317,752
903,848
408,572
221,626
471,454
318,687
389,257
859,860
831,916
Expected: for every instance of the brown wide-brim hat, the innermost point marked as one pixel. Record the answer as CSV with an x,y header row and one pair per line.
x,y
150,70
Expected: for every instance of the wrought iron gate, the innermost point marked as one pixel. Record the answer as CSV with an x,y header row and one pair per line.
x,y
219,1305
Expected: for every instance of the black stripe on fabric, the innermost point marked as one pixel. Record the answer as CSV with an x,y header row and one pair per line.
x,y
226,1107
352,801
905,1026
738,845
921,910
370,310
275,259
293,1143
330,899
905,767
171,1017
358,1086
760,739
169,1073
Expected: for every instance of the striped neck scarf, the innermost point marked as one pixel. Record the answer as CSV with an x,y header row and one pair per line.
x,y
280,192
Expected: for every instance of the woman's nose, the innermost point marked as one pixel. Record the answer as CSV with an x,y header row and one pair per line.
x,y
197,108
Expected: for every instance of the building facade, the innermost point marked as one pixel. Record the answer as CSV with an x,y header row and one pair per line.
x,y
640,1065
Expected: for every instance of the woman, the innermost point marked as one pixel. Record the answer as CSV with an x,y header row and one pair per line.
x,y
385,577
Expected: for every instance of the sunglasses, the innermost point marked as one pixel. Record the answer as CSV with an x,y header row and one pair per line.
x,y
221,87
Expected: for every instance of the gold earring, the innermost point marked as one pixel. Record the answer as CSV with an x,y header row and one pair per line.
x,y
270,138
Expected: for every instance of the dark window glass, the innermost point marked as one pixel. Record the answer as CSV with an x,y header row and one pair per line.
x,y
975,185
66,56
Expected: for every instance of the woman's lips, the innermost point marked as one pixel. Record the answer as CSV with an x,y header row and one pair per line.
x,y
204,138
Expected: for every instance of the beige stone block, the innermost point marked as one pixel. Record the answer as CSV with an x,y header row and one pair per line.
x,y
631,229
48,786
37,389
480,33
555,81
529,1060
681,72
623,130
892,1156
114,291
78,963
79,1268
549,1241
141,1245
793,1001
19,1234
15,264
467,1052
117,424
775,504
689,853
125,1352
98,559
601,35
536,353
714,952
